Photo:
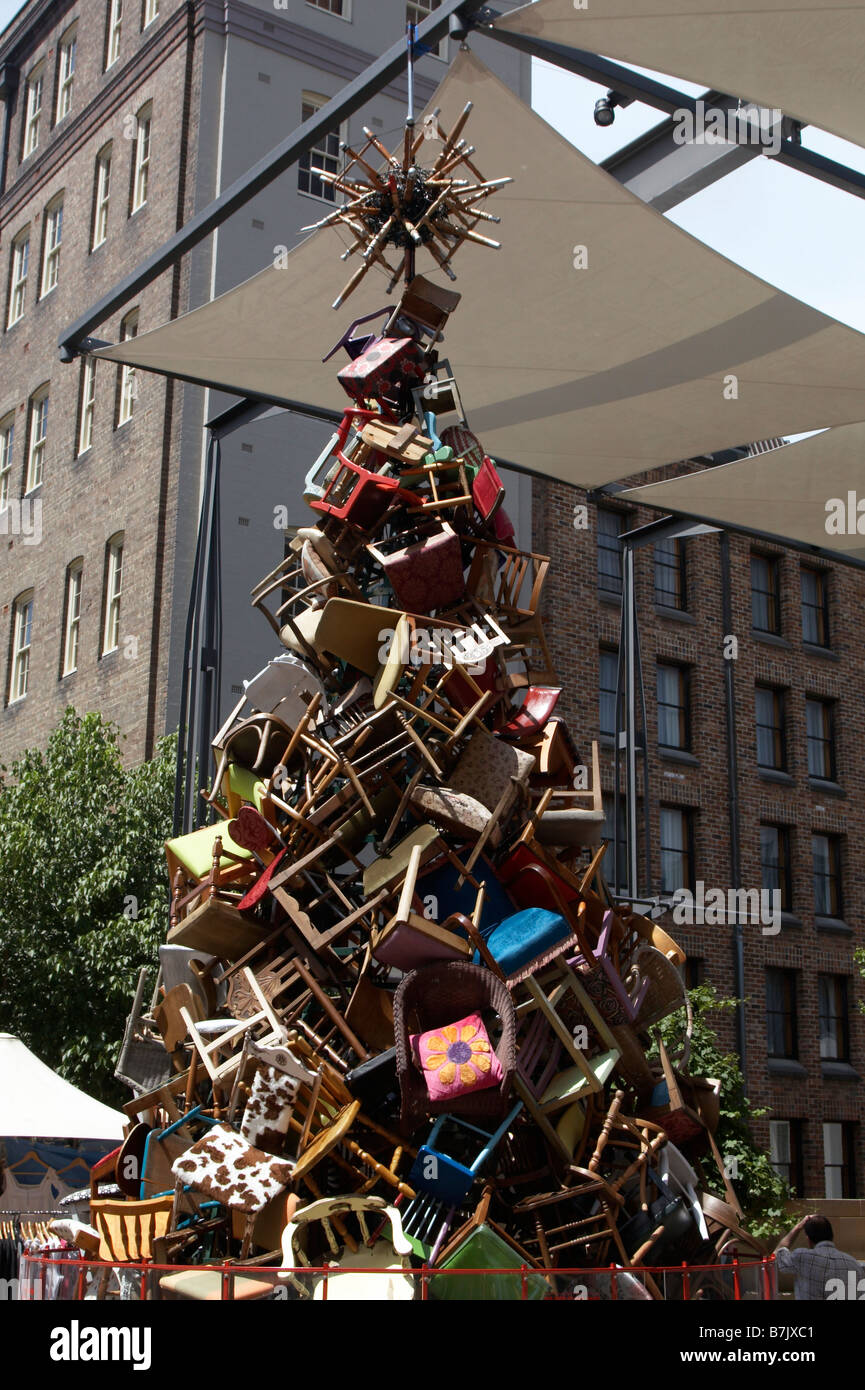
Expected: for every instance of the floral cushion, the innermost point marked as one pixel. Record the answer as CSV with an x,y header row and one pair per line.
x,y
486,768
456,1059
428,574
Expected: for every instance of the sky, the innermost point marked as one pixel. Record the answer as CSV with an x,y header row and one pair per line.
x,y
797,233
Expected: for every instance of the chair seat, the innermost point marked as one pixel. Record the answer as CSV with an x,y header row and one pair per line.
x,y
485,1250
570,827
195,851
205,1286
457,812
390,867
572,1083
356,1286
520,939
307,624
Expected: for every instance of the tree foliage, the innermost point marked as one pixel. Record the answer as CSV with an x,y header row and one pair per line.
x,y
83,894
762,1192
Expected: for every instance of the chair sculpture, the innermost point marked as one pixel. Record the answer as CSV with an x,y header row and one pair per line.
x,y
434,998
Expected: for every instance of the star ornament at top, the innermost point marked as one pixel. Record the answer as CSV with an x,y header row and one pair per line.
x,y
404,207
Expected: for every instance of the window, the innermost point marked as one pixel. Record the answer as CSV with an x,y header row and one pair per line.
x,y
609,551
782,1035
112,35
673,714
765,608
695,972
608,666
616,858
776,875
113,591
22,625
339,7
101,195
815,607
88,399
18,277
826,853
127,382
7,440
834,1022
838,1164
33,109
66,72
419,10
52,237
36,440
670,586
821,741
324,155
149,12
676,849
141,158
785,1151
771,740
72,618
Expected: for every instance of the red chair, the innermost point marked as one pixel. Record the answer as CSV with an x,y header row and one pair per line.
x,y
533,714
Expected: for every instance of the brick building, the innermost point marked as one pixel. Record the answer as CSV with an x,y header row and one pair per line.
x,y
120,122
797,683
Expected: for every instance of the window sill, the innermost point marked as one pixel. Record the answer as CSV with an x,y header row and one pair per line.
x,y
783,1066
136,212
770,774
789,919
316,198
771,639
346,18
676,615
811,649
614,600
833,924
16,704
678,755
14,323
829,788
838,1071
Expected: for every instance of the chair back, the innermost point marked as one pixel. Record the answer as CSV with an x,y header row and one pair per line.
x,y
127,1230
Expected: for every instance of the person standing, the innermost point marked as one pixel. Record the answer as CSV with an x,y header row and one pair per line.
x,y
821,1270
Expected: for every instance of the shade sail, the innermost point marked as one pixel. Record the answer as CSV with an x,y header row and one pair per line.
x,y
792,492
658,349
805,59
35,1101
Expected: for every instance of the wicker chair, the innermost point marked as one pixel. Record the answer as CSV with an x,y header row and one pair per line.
x,y
432,998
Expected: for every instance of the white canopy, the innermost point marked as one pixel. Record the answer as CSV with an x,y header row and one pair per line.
x,y
799,491
35,1102
655,349
805,59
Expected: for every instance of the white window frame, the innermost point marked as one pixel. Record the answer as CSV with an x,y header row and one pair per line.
x,y
66,72
113,594
7,446
22,636
423,9
128,378
102,196
72,623
115,26
51,246
141,159
88,404
149,14
318,154
18,277
323,8
38,420
33,110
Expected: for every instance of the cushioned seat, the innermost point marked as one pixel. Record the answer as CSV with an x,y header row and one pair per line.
x,y
195,851
525,937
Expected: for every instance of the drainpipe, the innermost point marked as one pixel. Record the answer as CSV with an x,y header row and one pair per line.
x,y
738,938
8,88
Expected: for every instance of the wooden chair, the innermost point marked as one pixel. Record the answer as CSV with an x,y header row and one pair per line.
x,y
513,591
387,1260
128,1229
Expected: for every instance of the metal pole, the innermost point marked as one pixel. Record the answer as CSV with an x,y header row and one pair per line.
x,y
738,935
630,645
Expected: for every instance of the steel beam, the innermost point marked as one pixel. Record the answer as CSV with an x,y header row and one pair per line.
x,y
347,101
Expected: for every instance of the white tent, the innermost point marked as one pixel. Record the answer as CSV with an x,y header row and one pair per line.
x,y
36,1102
